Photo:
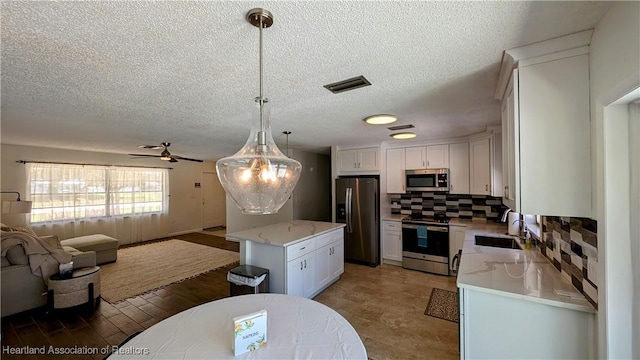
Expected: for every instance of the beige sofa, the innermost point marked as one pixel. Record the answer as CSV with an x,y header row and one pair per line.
x,y
21,290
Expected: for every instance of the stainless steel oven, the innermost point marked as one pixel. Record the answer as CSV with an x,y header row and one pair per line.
x,y
425,247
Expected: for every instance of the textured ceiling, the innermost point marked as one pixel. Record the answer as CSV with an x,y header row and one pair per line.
x,y
108,76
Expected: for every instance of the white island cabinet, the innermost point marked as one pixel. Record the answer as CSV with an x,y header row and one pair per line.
x,y
514,305
303,257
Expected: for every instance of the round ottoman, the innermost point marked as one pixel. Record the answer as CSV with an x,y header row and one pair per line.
x,y
83,287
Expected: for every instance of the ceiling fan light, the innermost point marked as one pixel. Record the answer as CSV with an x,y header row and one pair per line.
x,y
166,158
403,135
380,119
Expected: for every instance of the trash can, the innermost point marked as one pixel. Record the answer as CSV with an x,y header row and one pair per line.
x,y
247,279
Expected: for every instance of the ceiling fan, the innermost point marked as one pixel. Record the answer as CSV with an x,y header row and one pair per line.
x,y
164,155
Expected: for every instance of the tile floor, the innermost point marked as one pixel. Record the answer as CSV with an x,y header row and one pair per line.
x,y
386,306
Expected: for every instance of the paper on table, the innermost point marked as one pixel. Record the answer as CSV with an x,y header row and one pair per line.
x,y
250,332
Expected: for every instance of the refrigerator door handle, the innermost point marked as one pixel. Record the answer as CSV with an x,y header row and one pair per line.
x,y
348,201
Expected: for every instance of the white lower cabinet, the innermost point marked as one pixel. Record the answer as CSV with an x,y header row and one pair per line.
x,y
301,276
301,269
456,241
493,326
392,241
329,263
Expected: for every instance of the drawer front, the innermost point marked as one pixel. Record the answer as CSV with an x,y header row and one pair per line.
x,y
392,225
328,238
302,248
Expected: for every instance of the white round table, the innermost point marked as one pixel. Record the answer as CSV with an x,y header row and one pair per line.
x,y
297,328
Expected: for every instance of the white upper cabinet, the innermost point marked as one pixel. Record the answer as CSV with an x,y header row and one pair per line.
x,y
415,158
496,164
369,159
359,160
437,156
480,167
459,168
547,134
427,157
395,171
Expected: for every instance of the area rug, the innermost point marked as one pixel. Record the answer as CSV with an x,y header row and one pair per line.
x,y
143,268
443,304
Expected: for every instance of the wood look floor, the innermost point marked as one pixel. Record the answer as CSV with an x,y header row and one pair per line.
x,y
385,305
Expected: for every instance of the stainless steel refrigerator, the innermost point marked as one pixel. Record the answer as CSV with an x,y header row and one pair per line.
x,y
357,206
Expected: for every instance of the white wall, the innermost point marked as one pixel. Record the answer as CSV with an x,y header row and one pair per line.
x,y
184,204
237,221
614,71
634,154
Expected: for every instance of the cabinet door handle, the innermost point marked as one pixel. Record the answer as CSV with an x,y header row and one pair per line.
x,y
422,163
305,263
302,248
300,265
486,187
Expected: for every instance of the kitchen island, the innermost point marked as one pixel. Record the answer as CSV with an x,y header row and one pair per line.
x,y
516,304
303,257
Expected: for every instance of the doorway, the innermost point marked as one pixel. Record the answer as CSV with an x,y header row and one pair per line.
x,y
214,202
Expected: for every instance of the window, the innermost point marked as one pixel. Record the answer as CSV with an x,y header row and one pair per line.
x,y
67,192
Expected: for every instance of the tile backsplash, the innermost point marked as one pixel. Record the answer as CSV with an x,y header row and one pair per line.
x,y
472,207
572,245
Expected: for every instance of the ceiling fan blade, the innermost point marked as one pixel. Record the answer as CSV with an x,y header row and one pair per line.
x,y
152,147
184,158
144,155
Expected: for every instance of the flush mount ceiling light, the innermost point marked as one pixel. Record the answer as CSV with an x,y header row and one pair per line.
x,y
403,135
380,119
259,178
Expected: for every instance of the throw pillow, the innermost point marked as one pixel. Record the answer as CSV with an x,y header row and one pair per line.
x,y
16,255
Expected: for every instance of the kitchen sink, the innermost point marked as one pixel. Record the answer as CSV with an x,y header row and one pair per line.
x,y
499,242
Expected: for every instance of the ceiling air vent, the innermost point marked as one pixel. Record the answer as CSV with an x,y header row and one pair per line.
x,y
349,84
400,127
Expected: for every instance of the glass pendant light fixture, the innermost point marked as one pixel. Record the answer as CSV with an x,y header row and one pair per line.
x,y
259,178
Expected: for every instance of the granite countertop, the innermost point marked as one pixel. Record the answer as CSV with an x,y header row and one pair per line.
x,y
393,217
286,233
520,274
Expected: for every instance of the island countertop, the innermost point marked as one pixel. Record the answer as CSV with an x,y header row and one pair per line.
x,y
286,233
521,274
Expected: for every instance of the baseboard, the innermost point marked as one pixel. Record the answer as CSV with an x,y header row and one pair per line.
x,y
185,232
392,262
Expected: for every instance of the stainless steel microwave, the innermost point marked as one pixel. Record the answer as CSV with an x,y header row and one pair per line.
x,y
427,180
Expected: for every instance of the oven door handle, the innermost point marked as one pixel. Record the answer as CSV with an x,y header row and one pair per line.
x,y
429,228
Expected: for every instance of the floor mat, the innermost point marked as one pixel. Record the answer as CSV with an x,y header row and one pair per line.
x,y
443,304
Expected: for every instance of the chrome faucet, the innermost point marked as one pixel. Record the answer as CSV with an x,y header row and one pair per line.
x,y
505,214
527,233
